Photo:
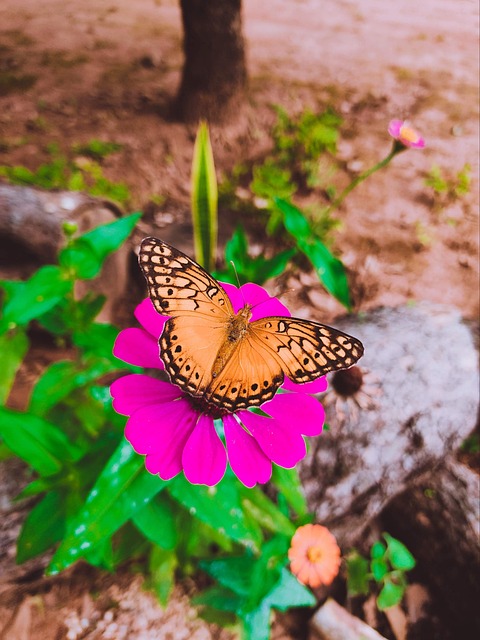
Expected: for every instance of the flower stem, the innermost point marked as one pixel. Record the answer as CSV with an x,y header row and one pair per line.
x,y
360,178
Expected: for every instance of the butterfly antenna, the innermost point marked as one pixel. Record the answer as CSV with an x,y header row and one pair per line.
x,y
238,280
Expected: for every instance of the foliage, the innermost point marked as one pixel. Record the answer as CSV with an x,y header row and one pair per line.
x,y
387,567
80,170
302,159
242,268
448,186
95,500
204,199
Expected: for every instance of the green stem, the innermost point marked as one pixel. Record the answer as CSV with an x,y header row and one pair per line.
x,y
363,176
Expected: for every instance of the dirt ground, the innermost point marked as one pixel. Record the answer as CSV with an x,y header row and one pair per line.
x,y
77,70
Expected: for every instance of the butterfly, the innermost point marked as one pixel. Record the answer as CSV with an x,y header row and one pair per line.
x,y
219,356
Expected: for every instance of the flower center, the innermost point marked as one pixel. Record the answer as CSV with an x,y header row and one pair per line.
x,y
314,554
409,134
201,405
348,381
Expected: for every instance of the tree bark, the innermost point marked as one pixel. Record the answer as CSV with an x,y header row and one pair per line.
x,y
214,73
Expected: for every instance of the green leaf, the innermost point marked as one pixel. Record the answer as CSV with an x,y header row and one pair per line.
x,y
265,512
32,298
294,220
289,592
204,199
13,347
287,481
123,487
329,269
379,568
233,572
219,506
256,623
39,443
61,378
357,574
86,254
157,523
378,550
398,554
390,595
43,527
162,565
221,598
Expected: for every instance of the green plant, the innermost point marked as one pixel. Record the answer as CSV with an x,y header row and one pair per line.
x,y
240,267
95,499
77,173
387,567
448,186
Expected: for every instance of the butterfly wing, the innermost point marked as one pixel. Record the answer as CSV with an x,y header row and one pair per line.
x,y
199,311
178,284
276,347
306,350
251,376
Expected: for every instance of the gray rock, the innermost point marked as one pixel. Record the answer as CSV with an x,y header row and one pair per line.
x,y
426,364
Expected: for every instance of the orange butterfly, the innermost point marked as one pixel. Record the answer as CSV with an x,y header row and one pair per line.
x,y
223,358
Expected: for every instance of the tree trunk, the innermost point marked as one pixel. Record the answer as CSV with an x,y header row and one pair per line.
x,y
214,72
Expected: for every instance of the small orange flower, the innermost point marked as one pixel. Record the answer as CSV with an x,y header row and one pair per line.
x,y
314,555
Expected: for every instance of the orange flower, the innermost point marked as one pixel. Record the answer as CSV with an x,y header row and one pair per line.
x,y
314,555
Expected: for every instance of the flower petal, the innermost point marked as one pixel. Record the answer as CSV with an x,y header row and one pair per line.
x,y
234,294
161,431
247,460
138,347
308,414
394,128
279,439
316,386
204,457
137,390
150,319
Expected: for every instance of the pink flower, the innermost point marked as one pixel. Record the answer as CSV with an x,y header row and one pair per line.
x,y
405,134
166,425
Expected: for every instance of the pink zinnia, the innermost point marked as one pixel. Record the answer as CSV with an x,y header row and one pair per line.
x,y
403,132
171,429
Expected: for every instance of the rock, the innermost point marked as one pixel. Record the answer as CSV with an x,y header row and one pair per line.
x,y
426,365
31,232
333,622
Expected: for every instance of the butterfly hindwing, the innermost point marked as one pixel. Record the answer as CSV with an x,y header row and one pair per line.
x,y
307,350
178,284
251,376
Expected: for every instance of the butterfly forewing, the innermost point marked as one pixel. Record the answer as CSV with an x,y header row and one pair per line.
x,y
307,350
189,346
178,284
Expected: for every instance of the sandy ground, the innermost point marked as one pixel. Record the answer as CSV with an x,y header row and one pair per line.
x,y
78,74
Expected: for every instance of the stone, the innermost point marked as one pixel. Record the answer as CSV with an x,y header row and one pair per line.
x,y
422,406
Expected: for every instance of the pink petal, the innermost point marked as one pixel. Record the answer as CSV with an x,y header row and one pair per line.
x,y
279,439
303,413
149,318
138,347
394,128
136,390
270,307
247,460
316,386
204,457
235,296
161,431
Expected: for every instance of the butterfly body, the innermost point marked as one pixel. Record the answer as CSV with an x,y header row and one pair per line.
x,y
223,358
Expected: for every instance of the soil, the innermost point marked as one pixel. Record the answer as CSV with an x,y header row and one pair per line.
x,y
70,72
